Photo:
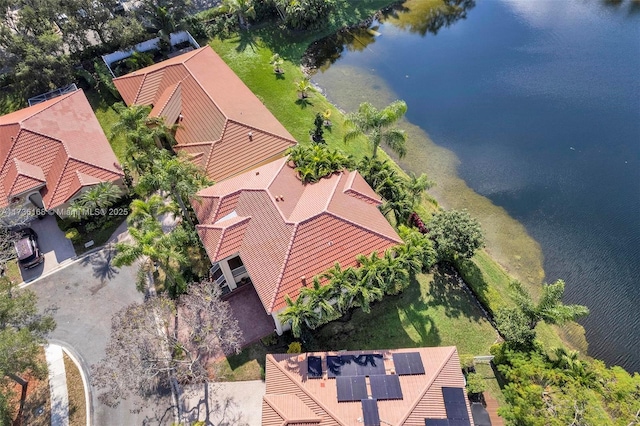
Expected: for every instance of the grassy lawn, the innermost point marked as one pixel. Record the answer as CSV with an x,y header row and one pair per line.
x,y
107,117
433,311
75,389
37,407
12,271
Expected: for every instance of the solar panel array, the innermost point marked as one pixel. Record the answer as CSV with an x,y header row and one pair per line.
x,y
408,363
351,388
314,367
455,403
436,422
370,412
385,387
354,365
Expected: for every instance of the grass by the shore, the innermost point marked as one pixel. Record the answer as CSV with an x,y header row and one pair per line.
x,y
75,390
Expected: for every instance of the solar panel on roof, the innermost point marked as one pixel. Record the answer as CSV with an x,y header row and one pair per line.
x,y
385,387
459,422
408,363
436,422
415,363
351,388
453,396
370,412
369,364
341,365
314,367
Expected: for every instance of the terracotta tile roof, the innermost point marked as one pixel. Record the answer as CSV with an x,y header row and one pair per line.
x,y
286,378
215,109
51,142
294,230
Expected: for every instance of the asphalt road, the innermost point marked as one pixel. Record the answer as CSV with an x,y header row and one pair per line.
x,y
82,299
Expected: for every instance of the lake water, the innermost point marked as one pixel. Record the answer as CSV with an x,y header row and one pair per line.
x,y
540,102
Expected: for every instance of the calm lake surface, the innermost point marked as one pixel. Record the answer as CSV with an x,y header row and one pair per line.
x,y
540,102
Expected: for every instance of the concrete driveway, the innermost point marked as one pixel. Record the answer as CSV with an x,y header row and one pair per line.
x,y
82,298
229,403
56,248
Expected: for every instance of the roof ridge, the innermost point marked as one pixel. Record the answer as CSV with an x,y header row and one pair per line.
x,y
360,226
221,198
213,143
351,177
144,78
428,386
309,394
284,264
57,100
94,166
57,183
206,227
14,141
276,409
333,192
262,130
175,88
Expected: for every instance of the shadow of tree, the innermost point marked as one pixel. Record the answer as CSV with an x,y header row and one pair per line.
x,y
304,103
475,279
101,263
210,408
247,39
447,291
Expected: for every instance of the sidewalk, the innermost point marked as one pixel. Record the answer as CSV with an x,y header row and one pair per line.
x,y
57,385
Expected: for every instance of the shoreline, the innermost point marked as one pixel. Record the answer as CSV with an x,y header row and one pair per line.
x,y
508,243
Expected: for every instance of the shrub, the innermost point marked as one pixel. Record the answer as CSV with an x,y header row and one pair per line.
x,y
475,383
306,14
294,348
269,340
72,234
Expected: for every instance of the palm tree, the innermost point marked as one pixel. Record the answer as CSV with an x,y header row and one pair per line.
x,y
177,176
303,86
146,211
319,298
300,314
417,249
156,249
277,62
98,198
395,273
549,308
339,282
243,9
376,125
130,119
416,186
164,135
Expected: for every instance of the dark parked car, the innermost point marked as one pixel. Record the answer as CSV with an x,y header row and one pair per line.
x,y
26,245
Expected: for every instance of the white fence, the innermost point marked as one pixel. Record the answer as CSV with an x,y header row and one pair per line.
x,y
145,46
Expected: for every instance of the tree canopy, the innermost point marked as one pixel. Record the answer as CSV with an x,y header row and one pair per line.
x,y
455,233
377,126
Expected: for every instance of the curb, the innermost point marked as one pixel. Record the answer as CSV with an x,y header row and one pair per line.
x,y
85,382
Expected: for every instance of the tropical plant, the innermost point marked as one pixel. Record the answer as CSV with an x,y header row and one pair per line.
x,y
95,200
156,250
242,9
303,87
277,62
305,14
320,298
163,17
549,308
142,212
317,134
376,125
175,175
455,234
300,315
475,383
371,281
395,273
317,161
341,282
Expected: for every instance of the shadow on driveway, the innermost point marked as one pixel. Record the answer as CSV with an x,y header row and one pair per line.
x,y
53,244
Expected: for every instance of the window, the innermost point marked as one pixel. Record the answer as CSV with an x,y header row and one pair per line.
x,y
235,263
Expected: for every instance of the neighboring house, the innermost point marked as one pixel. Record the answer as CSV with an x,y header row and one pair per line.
x,y
421,387
265,227
51,152
223,126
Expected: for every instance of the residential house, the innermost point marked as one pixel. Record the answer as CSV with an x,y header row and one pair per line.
x,y
266,227
50,153
222,126
420,386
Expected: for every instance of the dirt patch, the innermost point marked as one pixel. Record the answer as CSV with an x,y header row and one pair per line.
x,y
37,407
75,389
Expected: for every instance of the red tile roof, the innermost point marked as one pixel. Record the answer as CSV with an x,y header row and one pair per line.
x,y
52,143
287,384
216,112
284,230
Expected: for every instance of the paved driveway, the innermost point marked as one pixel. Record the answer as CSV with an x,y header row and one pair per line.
x,y
53,244
230,403
83,297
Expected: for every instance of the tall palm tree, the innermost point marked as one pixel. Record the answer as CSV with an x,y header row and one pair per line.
x,y
177,176
156,249
130,119
549,308
147,211
97,198
416,187
300,314
242,9
395,274
376,125
340,281
319,297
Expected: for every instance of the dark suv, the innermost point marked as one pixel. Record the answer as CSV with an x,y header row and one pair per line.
x,y
26,244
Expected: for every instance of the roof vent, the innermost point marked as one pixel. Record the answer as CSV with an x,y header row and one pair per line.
x,y
304,280
180,118
250,136
257,173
